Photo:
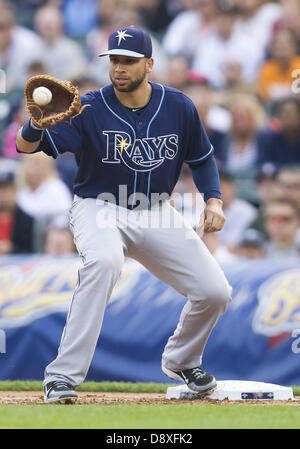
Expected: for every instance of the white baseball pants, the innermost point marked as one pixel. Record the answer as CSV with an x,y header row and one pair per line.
x,y
167,246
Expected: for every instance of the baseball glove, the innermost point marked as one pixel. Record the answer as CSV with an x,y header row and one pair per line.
x,y
65,103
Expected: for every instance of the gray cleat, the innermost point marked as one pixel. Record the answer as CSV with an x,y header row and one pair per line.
x,y
60,392
197,380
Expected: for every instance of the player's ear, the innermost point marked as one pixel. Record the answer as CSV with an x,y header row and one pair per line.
x,y
149,64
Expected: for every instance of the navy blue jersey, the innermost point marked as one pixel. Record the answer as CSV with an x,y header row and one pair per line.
x,y
116,146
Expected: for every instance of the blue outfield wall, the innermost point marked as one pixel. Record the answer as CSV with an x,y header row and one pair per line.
x,y
258,338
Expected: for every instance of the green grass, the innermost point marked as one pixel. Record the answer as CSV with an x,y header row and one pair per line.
x,y
149,417
130,387
140,416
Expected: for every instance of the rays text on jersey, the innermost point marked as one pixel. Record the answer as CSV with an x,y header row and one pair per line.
x,y
140,154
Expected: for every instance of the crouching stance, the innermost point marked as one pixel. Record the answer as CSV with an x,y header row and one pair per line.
x,y
130,140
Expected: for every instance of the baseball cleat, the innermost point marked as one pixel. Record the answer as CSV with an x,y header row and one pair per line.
x,y
60,392
196,379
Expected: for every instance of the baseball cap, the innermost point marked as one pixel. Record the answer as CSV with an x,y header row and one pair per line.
x,y
6,178
268,170
129,41
252,238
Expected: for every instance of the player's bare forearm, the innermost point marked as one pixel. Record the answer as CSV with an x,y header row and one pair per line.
x,y
23,145
214,217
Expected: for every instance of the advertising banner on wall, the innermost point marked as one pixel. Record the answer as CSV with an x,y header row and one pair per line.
x,y
258,338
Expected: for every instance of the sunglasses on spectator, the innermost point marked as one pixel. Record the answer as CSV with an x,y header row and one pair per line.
x,y
289,185
276,218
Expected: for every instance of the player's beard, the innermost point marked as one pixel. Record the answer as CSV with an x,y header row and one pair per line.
x,y
133,85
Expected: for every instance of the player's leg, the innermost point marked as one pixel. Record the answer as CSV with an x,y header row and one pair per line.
x,y
177,256
102,251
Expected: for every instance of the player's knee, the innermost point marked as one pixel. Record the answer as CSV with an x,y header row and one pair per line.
x,y
219,296
216,296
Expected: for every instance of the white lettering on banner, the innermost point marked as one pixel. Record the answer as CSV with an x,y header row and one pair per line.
x,y
296,343
279,303
296,83
34,288
2,342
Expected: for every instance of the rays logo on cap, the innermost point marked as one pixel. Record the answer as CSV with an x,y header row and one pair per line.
x,y
121,35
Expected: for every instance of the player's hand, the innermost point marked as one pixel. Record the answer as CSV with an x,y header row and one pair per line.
x,y
214,217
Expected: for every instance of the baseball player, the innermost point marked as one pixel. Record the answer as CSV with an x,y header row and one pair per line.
x,y
130,140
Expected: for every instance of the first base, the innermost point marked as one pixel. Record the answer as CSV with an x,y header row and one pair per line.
x,y
236,390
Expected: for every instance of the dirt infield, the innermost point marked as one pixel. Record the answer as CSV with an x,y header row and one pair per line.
x,y
36,397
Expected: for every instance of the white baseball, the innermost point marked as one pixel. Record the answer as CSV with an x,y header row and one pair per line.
x,y
42,95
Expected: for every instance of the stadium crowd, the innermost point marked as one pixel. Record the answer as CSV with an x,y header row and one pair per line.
x,y
239,61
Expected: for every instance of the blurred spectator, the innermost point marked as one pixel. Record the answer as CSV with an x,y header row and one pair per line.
x,y
215,119
63,57
36,68
267,183
233,75
282,222
288,183
234,83
156,15
224,45
19,46
251,245
241,153
8,165
16,227
188,28
19,116
217,249
282,146
41,194
248,116
25,10
113,16
6,212
290,18
275,76
239,213
256,22
80,17
59,241
266,189
177,72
